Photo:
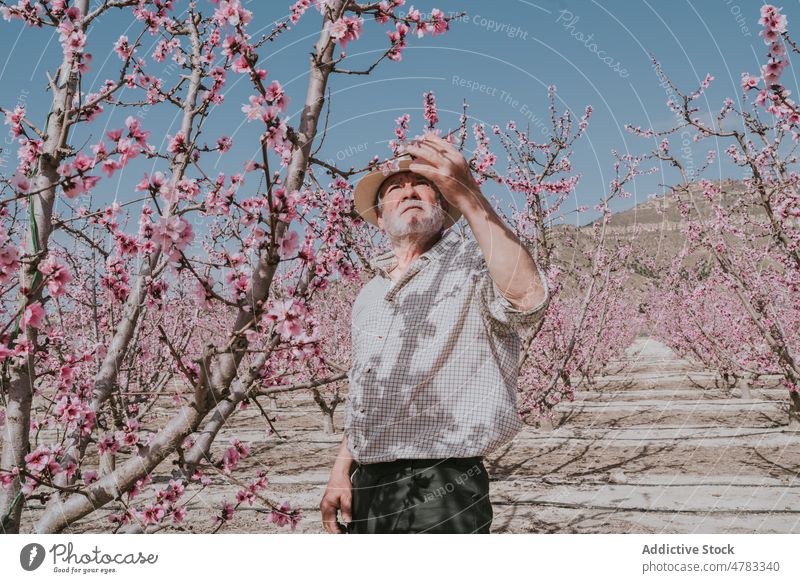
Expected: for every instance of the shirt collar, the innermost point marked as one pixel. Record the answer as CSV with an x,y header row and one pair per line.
x,y
385,262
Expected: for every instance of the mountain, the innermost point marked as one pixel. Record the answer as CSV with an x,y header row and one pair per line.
x,y
655,228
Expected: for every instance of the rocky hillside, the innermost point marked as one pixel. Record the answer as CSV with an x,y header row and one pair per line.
x,y
655,226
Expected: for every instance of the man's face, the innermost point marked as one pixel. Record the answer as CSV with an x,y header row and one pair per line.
x,y
409,204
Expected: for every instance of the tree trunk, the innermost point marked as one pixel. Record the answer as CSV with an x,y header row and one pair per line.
x,y
546,424
744,387
327,417
108,462
16,443
794,411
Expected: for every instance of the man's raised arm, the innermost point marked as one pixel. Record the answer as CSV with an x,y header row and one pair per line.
x,y
511,266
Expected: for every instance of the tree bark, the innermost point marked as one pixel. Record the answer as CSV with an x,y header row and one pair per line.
x,y
22,378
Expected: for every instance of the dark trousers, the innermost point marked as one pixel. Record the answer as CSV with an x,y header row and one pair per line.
x,y
444,496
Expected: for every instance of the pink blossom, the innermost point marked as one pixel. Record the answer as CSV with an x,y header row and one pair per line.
x,y
289,245
20,182
276,136
109,443
23,347
240,64
122,48
187,188
152,514
439,23
245,496
288,317
284,515
6,478
83,163
177,144
178,514
346,29
154,183
111,166
79,185
164,48
298,9
39,459
277,96
28,154
771,72
430,110
772,19
137,487
122,518
14,119
224,143
749,82
226,514
233,45
9,261
33,316
255,109
70,469
69,409
57,276
135,131
130,439
116,279
231,11
177,487
66,375
24,10
398,40
777,49
173,234
72,38
240,281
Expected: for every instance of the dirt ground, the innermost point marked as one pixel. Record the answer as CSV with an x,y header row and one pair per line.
x,y
647,452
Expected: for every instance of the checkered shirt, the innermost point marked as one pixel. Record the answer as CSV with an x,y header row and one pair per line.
x,y
435,358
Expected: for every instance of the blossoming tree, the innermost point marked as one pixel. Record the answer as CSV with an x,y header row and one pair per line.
x,y
206,307
753,243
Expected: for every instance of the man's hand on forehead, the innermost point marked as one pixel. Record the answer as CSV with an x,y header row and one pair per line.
x,y
440,162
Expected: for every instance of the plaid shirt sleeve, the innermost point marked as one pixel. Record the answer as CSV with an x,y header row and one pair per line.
x,y
497,309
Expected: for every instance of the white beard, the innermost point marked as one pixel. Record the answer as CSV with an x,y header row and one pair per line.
x,y
416,225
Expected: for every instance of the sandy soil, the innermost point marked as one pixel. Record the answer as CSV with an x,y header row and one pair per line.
x,y
646,452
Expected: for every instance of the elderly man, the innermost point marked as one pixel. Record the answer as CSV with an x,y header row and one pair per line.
x,y
435,350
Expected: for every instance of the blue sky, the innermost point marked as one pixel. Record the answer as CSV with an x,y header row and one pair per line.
x,y
513,48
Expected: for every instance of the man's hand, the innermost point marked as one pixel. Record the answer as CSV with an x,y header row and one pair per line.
x,y
338,496
440,162
510,264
